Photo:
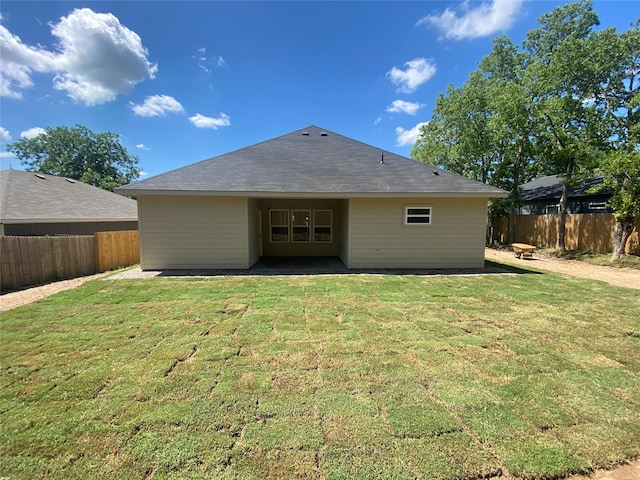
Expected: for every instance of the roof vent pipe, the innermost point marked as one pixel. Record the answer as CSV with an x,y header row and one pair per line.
x,y
382,159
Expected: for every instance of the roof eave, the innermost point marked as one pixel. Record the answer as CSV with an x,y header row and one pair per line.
x,y
280,194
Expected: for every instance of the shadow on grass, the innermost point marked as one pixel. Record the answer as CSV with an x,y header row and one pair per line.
x,y
270,266
506,268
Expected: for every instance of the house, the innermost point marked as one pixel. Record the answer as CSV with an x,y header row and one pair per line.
x,y
311,192
542,196
38,204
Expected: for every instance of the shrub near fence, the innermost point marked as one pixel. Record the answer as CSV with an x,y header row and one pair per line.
x,y
585,231
28,261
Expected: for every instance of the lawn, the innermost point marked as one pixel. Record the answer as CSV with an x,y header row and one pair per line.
x,y
329,377
626,261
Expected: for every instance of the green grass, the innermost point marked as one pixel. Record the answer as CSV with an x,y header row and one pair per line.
x,y
328,377
604,259
601,259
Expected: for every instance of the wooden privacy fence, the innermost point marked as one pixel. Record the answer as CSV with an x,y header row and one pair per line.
x,y
116,249
584,231
35,260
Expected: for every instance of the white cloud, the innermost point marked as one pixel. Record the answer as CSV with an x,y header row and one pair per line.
x,y
377,120
6,155
408,137
481,21
97,59
5,136
157,105
417,71
205,62
142,146
18,61
401,106
201,121
143,173
32,132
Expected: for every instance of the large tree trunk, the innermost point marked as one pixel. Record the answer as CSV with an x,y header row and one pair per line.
x,y
621,232
515,194
511,231
562,216
562,208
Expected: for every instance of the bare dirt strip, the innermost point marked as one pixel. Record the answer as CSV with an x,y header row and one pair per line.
x,y
23,297
619,277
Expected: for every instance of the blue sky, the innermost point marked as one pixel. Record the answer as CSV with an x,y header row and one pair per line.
x,y
184,81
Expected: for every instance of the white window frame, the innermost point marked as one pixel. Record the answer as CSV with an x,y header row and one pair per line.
x,y
549,209
307,225
330,226
408,215
598,205
272,225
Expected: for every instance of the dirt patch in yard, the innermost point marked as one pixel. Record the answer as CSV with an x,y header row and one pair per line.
x,y
629,471
23,297
619,277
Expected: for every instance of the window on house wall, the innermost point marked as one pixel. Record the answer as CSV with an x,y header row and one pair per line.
x,y
526,210
279,225
598,205
417,215
552,209
301,226
322,226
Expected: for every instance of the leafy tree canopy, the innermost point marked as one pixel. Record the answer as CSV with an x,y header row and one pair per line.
x,y
566,102
78,153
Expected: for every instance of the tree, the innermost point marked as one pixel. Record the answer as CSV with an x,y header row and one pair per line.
x,y
569,140
78,153
513,120
483,130
618,95
458,136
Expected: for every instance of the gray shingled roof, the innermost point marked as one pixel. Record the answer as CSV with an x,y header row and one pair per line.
x,y
550,188
311,162
26,197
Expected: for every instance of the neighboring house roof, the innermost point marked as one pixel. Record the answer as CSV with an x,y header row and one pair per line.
x,y
28,197
550,188
311,162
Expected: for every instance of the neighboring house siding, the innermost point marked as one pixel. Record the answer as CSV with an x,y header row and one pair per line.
x,y
71,228
193,232
379,238
551,206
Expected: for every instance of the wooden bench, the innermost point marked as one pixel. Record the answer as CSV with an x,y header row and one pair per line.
x,y
523,250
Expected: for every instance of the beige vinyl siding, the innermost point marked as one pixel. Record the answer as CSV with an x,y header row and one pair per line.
x,y
378,237
344,230
254,236
193,232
